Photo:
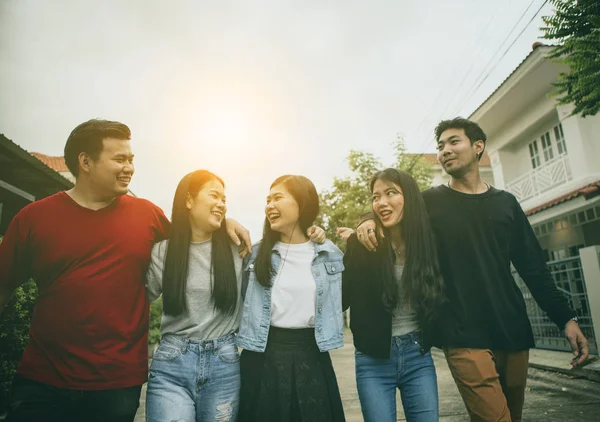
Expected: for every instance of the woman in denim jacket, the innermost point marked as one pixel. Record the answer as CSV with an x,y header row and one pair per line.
x,y
292,314
392,294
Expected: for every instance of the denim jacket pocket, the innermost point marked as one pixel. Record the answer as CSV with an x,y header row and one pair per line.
x,y
334,270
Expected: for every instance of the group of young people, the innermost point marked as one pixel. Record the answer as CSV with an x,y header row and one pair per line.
x,y
421,270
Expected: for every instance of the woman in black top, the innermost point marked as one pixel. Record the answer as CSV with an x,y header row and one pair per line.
x,y
393,294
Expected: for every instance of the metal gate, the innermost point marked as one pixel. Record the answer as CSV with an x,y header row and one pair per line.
x,y
568,276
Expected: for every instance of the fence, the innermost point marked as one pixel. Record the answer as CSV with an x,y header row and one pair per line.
x,y
568,276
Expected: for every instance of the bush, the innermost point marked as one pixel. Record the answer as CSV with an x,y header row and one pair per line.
x,y
155,315
14,335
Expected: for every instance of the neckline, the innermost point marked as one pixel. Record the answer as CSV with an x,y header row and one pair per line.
x,y
488,192
110,206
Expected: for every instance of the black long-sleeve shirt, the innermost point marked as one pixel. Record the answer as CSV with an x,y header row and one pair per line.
x,y
478,236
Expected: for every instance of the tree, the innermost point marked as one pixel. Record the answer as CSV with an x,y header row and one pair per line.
x,y
156,309
349,197
14,335
575,25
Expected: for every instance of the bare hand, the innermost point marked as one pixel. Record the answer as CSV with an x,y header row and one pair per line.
x,y
236,231
344,232
316,234
579,343
366,235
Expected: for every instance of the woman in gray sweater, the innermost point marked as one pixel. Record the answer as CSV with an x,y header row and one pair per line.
x,y
195,373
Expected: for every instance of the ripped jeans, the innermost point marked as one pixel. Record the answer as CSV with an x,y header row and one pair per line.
x,y
194,380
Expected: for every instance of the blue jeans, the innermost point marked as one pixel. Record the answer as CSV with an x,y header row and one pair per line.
x,y
406,369
194,380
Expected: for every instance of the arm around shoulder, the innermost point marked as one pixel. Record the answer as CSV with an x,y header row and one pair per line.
x,y
154,274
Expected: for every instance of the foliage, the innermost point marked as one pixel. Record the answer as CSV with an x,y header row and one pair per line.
x,y
156,310
575,25
349,197
14,335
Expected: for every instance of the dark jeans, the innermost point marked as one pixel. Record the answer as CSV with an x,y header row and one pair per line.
x,y
34,401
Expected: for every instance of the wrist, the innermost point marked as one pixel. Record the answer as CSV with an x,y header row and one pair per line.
x,y
574,319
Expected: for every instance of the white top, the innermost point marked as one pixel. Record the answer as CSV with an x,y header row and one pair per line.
x,y
293,296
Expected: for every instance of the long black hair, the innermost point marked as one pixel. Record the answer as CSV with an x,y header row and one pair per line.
x,y
423,286
175,273
305,194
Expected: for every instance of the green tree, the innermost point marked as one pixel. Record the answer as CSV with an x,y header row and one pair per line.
x,y
156,309
349,197
575,26
14,335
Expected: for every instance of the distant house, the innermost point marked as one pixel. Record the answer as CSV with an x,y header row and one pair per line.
x,y
549,160
56,163
24,179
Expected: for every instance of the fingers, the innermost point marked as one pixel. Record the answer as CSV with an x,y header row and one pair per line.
x,y
583,352
246,242
232,235
316,234
239,236
344,232
366,235
578,342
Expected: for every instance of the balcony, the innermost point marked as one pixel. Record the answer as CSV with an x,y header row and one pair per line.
x,y
541,179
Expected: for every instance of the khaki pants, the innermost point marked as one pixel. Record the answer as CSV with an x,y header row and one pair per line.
x,y
491,383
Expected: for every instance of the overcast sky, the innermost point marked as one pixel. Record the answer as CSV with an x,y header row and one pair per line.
x,y
252,90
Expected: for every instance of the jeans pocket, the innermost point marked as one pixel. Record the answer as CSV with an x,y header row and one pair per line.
x,y
166,352
228,353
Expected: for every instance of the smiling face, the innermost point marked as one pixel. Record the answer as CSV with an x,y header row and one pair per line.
x,y
388,202
207,208
456,153
282,210
111,173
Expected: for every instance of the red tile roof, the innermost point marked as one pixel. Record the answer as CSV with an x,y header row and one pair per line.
x,y
587,191
55,163
432,159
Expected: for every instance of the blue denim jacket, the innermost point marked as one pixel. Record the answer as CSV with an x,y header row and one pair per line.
x,y
327,267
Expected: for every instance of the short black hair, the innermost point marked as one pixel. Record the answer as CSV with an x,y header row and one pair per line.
x,y
88,137
472,130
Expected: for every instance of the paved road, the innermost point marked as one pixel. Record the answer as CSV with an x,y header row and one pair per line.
x,y
550,397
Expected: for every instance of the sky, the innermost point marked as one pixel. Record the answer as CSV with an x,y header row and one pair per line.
x,y
252,90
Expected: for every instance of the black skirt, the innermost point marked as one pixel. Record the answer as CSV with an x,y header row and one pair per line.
x,y
291,381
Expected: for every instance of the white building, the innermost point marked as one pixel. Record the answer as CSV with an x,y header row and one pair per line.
x,y
550,160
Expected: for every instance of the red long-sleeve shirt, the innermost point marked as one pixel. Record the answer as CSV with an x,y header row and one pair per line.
x,y
89,329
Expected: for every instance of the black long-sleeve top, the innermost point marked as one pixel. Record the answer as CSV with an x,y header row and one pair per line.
x,y
478,236
362,291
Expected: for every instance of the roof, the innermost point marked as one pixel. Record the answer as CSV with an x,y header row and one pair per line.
x,y
535,46
24,179
432,159
55,163
587,191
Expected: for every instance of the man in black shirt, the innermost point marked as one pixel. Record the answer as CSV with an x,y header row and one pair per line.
x,y
484,328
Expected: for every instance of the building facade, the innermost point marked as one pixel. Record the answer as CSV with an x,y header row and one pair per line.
x,y
549,159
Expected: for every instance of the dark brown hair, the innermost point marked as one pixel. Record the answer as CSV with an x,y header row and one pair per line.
x,y
422,283
88,137
175,272
305,194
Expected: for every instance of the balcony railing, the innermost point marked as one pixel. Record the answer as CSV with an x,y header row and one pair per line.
x,y
545,177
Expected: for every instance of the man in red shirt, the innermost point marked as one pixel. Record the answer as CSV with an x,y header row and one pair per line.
x,y
88,249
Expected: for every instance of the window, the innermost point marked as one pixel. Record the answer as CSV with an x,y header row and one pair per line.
x,y
534,154
559,137
547,147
